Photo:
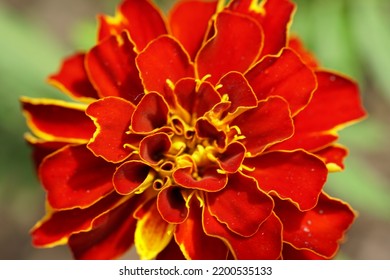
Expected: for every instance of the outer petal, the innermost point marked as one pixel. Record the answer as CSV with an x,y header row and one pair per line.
x,y
333,156
112,117
266,243
172,205
111,235
132,176
298,176
193,241
319,229
152,233
140,18
240,205
308,58
274,17
56,120
335,104
171,252
72,78
112,70
210,180
59,226
189,22
235,46
163,59
150,114
74,177
284,75
268,123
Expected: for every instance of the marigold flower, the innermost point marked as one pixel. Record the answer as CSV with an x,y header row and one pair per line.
x,y
208,134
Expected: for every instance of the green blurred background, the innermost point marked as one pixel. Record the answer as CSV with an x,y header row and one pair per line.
x,y
350,36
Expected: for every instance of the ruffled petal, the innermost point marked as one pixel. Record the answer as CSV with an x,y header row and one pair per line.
x,y
265,244
172,205
235,46
291,253
112,117
333,156
55,120
307,57
189,22
240,93
195,98
163,59
204,129
153,147
270,122
112,70
286,76
335,104
132,176
193,241
111,235
209,180
140,18
72,78
150,114
74,177
231,159
320,229
152,233
57,227
297,176
273,16
241,205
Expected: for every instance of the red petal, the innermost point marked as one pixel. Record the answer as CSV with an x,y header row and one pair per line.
x,y
195,98
333,156
240,205
291,253
268,123
59,226
112,70
235,46
140,18
231,159
150,114
209,180
72,78
308,58
274,17
57,120
298,176
74,177
153,147
163,59
319,229
132,176
335,104
172,205
111,236
171,252
193,241
266,243
286,76
206,130
189,22
112,117
238,90
42,148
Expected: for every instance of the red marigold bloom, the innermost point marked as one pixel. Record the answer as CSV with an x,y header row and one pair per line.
x,y
210,128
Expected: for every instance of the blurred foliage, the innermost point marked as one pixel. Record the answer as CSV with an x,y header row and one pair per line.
x,y
349,36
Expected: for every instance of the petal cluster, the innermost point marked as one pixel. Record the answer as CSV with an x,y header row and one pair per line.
x,y
208,133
